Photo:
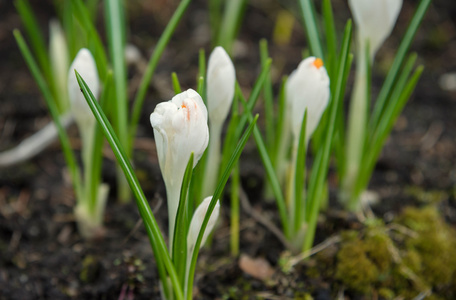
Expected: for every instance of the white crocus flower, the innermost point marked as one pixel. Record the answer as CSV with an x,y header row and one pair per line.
x,y
180,128
195,228
221,80
307,88
374,20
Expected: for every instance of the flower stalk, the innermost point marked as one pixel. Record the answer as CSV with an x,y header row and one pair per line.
x,y
90,207
374,22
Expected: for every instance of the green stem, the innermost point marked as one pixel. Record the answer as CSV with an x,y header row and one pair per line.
x,y
356,130
234,218
213,159
231,20
268,102
173,196
214,19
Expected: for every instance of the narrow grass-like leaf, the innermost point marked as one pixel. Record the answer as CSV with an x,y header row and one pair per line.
x,y
64,140
385,128
234,209
230,136
217,194
281,125
92,6
202,67
368,65
176,85
95,172
254,95
331,37
153,231
299,180
95,44
392,103
231,21
269,168
115,27
375,139
391,109
339,147
268,100
68,23
200,87
215,17
152,65
320,169
310,25
181,226
36,38
398,60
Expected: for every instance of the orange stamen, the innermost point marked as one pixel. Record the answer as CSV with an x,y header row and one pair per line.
x,y
318,63
187,115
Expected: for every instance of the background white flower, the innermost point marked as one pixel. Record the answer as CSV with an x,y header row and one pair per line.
x,y
374,20
87,68
307,88
221,79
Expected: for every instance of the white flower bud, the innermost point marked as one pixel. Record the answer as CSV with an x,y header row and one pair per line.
x,y
86,67
197,222
180,128
375,21
307,88
221,79
58,53
195,228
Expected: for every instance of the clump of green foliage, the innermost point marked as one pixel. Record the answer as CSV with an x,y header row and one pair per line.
x,y
414,255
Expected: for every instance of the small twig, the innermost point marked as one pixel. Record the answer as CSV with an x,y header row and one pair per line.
x,y
7,129
423,295
34,144
268,295
402,229
22,201
432,136
140,221
14,242
320,247
262,220
123,291
341,294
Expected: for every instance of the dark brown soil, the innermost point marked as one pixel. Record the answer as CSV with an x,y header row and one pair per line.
x,y
42,255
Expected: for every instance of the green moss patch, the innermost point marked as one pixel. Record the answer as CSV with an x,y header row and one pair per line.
x,y
416,255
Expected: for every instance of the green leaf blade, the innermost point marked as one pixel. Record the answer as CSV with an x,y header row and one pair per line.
x,y
155,236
